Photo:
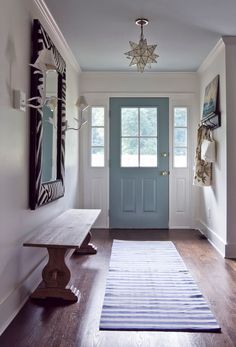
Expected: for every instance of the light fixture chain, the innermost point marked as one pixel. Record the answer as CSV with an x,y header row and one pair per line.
x,y
141,37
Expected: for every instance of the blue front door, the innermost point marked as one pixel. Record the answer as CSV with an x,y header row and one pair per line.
x,y
139,147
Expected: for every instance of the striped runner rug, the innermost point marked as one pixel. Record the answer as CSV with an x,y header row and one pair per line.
x,y
149,288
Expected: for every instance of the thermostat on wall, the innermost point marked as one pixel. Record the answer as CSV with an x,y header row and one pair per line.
x,y
19,100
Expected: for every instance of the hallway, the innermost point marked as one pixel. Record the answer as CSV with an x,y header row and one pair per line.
x,y
47,324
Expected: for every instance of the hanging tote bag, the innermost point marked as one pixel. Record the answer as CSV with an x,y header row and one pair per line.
x,y
208,148
202,169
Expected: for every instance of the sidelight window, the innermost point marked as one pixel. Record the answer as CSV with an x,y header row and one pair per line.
x,y
180,141
97,136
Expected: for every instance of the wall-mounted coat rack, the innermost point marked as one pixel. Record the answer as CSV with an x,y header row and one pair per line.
x,y
212,121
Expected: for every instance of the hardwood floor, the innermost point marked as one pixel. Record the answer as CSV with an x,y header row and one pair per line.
x,y
47,324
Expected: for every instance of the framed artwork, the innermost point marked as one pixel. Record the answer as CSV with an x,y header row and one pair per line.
x,y
211,115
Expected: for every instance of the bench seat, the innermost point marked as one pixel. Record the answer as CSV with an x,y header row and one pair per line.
x,y
71,230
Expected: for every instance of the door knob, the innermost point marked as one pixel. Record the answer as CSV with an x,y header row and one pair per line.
x,y
164,173
164,155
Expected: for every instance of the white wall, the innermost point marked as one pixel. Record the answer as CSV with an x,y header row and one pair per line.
x,y
212,200
135,82
20,267
182,89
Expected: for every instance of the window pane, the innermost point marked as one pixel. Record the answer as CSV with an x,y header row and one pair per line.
x,y
97,136
180,117
97,116
148,152
97,156
129,152
180,137
148,121
129,121
180,157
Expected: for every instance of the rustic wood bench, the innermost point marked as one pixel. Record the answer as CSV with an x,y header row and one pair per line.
x,y
71,230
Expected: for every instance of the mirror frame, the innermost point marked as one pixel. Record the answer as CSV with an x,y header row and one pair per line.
x,y
42,193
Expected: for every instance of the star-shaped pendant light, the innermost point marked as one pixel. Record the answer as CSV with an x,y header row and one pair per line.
x,y
141,53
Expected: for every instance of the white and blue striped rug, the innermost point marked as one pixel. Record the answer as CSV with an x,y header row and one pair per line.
x,y
150,288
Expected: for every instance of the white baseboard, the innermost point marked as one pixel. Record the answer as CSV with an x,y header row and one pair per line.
x,y
13,303
216,241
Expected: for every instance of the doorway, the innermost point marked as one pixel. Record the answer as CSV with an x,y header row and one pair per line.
x,y
139,163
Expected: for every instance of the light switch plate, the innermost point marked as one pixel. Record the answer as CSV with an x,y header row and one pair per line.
x,y
19,100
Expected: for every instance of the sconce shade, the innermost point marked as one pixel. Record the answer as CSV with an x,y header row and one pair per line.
x,y
45,60
82,103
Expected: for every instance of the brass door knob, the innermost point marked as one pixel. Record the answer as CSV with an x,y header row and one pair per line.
x,y
164,155
165,173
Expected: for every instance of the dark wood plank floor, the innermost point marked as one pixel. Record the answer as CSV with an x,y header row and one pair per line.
x,y
45,324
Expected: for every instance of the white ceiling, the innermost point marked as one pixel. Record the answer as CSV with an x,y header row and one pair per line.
x,y
98,31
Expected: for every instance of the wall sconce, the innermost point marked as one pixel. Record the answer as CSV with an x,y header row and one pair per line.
x,y
45,60
43,63
82,105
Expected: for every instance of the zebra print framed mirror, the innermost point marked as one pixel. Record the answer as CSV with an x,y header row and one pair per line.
x,y
47,120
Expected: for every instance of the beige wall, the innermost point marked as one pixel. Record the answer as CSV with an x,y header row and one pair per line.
x,y
19,267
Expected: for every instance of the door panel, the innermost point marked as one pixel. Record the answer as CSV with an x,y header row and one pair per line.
x,y
149,193
138,192
128,194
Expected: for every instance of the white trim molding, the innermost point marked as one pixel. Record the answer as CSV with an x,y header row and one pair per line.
x,y
216,241
57,34
211,56
15,300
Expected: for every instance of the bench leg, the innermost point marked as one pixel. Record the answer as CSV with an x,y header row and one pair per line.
x,y
86,247
56,275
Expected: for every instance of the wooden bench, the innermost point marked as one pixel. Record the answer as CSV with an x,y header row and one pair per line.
x,y
71,230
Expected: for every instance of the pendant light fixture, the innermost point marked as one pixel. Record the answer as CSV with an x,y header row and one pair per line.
x,y
142,54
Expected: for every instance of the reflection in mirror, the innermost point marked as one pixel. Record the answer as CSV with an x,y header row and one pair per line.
x,y
49,140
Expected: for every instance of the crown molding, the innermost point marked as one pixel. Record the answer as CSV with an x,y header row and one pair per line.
x,y
211,56
57,34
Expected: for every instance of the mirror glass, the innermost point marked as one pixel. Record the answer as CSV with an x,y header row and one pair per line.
x,y
50,122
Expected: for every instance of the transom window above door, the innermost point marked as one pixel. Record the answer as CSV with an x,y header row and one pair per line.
x,y
139,130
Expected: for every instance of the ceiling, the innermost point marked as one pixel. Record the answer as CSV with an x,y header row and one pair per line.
x,y
98,31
